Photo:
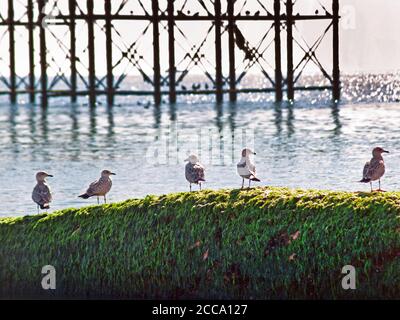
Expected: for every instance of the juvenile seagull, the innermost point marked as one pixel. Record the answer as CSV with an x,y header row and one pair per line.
x,y
41,194
245,168
374,169
194,171
100,187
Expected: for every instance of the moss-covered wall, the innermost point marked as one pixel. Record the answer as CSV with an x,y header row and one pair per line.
x,y
258,243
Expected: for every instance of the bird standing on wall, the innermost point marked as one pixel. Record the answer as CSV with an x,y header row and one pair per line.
x,y
245,168
374,169
194,171
41,194
99,188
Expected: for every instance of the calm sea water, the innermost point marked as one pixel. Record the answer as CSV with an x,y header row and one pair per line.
x,y
312,144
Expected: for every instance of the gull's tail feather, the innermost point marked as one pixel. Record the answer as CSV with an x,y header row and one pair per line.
x,y
253,178
365,180
45,206
84,196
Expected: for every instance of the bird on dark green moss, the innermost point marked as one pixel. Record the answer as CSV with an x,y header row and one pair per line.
x,y
100,187
194,171
246,168
375,168
41,194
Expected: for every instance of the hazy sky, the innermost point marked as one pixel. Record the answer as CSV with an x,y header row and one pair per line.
x,y
374,44
370,39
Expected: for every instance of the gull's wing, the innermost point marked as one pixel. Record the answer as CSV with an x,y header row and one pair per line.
x,y
42,194
246,169
194,172
199,171
99,187
252,168
36,195
91,191
365,171
376,170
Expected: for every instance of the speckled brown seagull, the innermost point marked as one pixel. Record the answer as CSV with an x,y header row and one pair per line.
x,y
245,168
41,194
100,187
374,169
194,171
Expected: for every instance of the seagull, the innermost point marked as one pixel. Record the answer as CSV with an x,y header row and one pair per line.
x,y
100,187
245,168
374,169
41,194
194,171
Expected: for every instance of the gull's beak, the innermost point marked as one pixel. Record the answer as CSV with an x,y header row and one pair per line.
x,y
254,153
50,175
386,151
113,174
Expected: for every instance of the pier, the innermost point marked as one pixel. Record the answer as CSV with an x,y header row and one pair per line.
x,y
35,21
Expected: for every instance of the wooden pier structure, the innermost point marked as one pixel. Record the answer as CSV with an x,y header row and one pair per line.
x,y
43,75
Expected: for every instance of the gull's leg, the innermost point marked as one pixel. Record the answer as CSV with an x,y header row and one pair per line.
x,y
380,190
38,209
200,185
105,199
371,186
190,186
242,183
249,183
98,201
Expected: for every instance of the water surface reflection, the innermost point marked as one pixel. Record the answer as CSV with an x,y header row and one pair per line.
x,y
297,146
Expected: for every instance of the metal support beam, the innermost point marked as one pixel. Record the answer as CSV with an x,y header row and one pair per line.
x,y
43,54
218,51
171,47
31,44
336,65
72,51
289,27
11,35
91,49
278,52
232,64
156,53
110,76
